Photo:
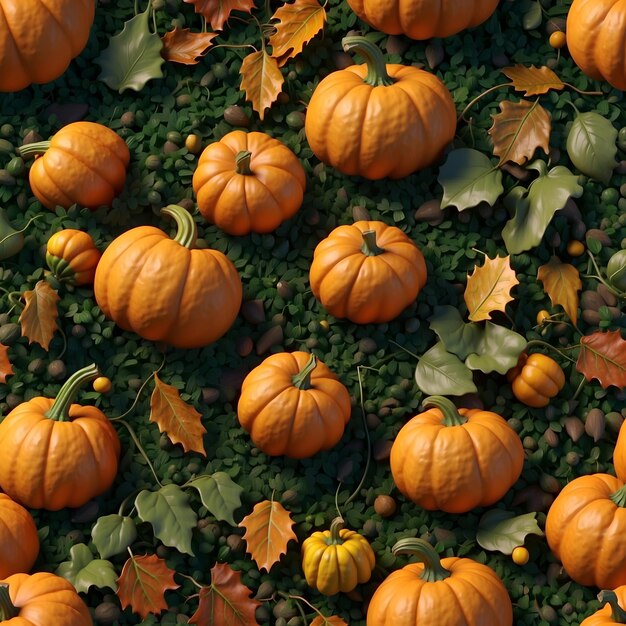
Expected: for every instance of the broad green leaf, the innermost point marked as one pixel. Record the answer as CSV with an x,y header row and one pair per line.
x,y
133,56
83,571
439,372
532,17
468,178
591,146
219,494
497,350
457,336
112,534
502,531
169,513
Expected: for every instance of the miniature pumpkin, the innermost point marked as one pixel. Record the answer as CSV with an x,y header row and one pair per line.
x,y
586,530
39,39
337,560
42,599
453,460
451,591
166,290
292,404
376,120
19,541
84,163
536,379
62,454
248,182
613,612
72,256
367,272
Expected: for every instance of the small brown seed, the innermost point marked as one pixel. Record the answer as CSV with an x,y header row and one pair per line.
x,y
236,116
574,428
595,424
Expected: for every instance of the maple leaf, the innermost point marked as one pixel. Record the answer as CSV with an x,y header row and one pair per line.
x,y
488,288
321,620
143,583
182,46
216,12
181,422
39,317
603,356
268,531
298,23
532,80
226,602
262,80
561,281
519,130
6,369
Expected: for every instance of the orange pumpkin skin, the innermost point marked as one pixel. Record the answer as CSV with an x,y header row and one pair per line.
x,y
619,454
293,405
19,541
72,256
586,530
609,615
248,182
367,272
455,460
164,290
84,163
39,39
536,379
398,124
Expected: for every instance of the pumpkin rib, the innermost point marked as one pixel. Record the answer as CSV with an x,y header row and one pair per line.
x,y
59,25
51,180
12,37
360,108
476,457
493,432
99,173
324,424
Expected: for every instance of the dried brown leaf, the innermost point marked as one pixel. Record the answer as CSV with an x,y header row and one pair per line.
x,y
216,12
6,369
182,46
561,281
39,317
603,356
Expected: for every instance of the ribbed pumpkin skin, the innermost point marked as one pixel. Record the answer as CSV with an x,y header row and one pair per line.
x,y
57,464
603,617
242,203
596,39
456,468
536,379
472,596
382,131
423,19
367,289
19,541
587,531
39,39
72,255
85,164
619,454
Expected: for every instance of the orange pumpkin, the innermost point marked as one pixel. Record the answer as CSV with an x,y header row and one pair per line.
x,y
72,256
84,163
19,541
165,290
619,453
292,404
613,613
586,530
376,120
367,272
453,460
39,39
536,379
248,182
434,592
62,454
42,599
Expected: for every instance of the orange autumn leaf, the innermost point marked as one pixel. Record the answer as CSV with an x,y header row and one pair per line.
x,y
268,531
216,12
488,288
262,80
603,356
533,81
6,369
182,46
226,602
39,317
321,620
561,281
181,422
143,583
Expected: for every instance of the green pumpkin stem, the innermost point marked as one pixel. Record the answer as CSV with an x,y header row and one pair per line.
x,y
7,609
37,147
618,614
242,162
434,571
619,497
187,232
60,409
377,75
370,247
302,380
335,526
451,415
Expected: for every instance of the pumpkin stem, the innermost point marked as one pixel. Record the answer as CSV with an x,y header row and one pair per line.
x,y
37,147
618,614
377,75
242,161
619,497
434,571
370,247
335,526
59,411
7,609
451,415
187,232
302,380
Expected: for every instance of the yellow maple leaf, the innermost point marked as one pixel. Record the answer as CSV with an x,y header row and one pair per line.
x,y
561,281
262,80
532,80
39,317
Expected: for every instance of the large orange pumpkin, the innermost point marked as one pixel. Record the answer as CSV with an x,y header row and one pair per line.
x,y
367,272
62,454
166,290
19,541
613,612
248,182
39,39
376,120
453,460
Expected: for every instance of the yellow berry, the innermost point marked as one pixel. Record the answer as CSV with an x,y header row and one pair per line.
x,y
557,39
575,248
193,143
325,325
520,555
102,384
542,315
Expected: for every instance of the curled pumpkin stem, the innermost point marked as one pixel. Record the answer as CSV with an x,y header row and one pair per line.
x,y
618,615
434,571
60,409
451,415
377,75
335,526
7,609
370,246
187,232
242,162
302,380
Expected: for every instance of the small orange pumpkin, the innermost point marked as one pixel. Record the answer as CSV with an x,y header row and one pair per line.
x,y
19,541
613,612
72,256
536,379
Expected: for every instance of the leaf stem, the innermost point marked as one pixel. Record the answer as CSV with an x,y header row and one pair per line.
x,y
545,344
581,384
599,276
584,93
479,97
134,437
